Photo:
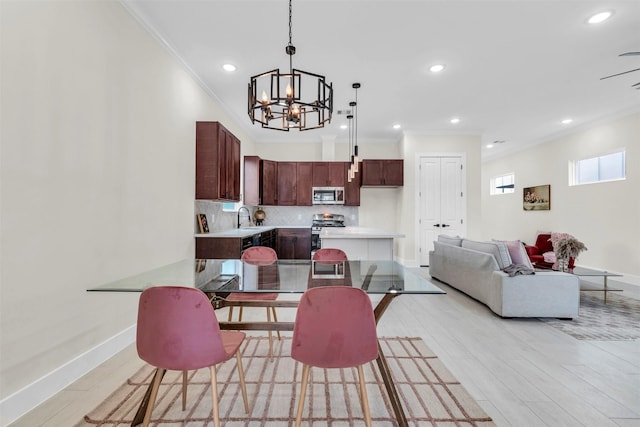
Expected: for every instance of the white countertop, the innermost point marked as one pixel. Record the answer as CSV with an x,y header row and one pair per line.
x,y
246,231
357,233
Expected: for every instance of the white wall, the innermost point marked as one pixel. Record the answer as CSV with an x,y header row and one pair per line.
x,y
97,177
605,216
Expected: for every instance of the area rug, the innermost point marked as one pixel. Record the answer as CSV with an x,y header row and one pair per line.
x,y
617,320
431,396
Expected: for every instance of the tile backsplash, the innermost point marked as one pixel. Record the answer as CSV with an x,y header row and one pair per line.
x,y
220,220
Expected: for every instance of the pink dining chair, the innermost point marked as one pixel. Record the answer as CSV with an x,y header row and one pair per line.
x,y
329,255
334,328
178,330
261,256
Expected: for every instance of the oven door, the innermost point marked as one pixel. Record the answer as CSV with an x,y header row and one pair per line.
x,y
315,241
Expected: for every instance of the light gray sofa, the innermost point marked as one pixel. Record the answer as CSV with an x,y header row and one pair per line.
x,y
475,268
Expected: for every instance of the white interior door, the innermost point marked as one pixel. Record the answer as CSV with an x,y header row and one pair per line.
x,y
442,201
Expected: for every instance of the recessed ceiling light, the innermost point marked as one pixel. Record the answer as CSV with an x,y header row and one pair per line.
x,y
229,67
396,126
600,17
436,68
455,120
567,121
489,145
343,126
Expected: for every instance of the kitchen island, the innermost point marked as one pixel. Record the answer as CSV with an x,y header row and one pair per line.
x,y
360,243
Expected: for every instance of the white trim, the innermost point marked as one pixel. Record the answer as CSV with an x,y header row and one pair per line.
x,y
24,400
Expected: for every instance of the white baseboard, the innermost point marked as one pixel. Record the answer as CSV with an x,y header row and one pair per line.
x,y
19,403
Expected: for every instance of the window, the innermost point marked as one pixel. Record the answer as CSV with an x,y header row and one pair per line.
x,y
503,184
608,167
230,207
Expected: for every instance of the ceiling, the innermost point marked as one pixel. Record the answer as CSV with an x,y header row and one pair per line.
x,y
514,69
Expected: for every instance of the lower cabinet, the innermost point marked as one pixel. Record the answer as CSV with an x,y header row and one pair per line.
x,y
232,247
294,243
218,247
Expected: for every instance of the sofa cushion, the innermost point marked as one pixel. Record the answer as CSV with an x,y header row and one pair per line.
x,y
450,240
517,252
497,249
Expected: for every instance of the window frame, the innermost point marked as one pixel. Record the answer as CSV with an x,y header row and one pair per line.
x,y
492,186
574,168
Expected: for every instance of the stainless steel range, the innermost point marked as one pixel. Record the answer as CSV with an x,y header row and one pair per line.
x,y
319,222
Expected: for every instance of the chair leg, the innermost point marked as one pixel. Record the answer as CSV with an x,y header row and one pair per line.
x,y
270,335
214,396
184,390
303,392
275,319
230,316
240,315
152,397
242,383
364,398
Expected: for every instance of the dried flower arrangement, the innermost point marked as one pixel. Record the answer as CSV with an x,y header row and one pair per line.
x,y
566,246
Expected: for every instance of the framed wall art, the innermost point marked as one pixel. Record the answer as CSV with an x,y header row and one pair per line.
x,y
536,198
202,222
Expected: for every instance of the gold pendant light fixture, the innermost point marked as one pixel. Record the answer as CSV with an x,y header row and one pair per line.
x,y
296,100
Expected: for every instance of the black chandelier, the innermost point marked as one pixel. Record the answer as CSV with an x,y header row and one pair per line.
x,y
286,100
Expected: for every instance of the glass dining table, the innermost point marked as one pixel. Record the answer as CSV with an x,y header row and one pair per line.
x,y
220,277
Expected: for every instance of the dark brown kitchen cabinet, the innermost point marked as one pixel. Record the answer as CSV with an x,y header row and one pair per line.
x,y
328,174
286,183
386,173
304,184
217,163
218,247
259,181
352,189
269,182
294,243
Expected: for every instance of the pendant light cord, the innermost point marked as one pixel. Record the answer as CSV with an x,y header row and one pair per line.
x,y
290,49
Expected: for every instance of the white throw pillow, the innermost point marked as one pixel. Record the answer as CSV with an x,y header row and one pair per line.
x,y
450,240
497,249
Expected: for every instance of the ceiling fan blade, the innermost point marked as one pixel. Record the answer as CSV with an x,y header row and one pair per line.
x,y
629,54
619,74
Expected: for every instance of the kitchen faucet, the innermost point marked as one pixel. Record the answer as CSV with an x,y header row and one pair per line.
x,y
248,214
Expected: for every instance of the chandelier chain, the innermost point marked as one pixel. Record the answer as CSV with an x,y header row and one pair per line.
x,y
290,30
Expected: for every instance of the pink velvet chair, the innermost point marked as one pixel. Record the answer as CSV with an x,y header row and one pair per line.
x,y
329,255
334,328
260,256
178,330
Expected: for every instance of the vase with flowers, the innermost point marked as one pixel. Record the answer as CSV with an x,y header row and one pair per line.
x,y
567,248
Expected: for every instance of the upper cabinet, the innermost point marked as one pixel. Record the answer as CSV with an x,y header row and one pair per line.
x,y
271,183
286,183
217,163
328,174
386,173
352,189
303,184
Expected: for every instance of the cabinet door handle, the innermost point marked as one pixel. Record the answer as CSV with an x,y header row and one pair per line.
x,y
436,225
446,225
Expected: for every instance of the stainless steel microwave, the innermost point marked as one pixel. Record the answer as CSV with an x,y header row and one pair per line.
x,y
328,195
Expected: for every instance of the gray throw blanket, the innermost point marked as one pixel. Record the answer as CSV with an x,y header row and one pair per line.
x,y
515,269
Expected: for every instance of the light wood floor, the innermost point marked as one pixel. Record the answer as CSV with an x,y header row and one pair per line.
x,y
522,372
